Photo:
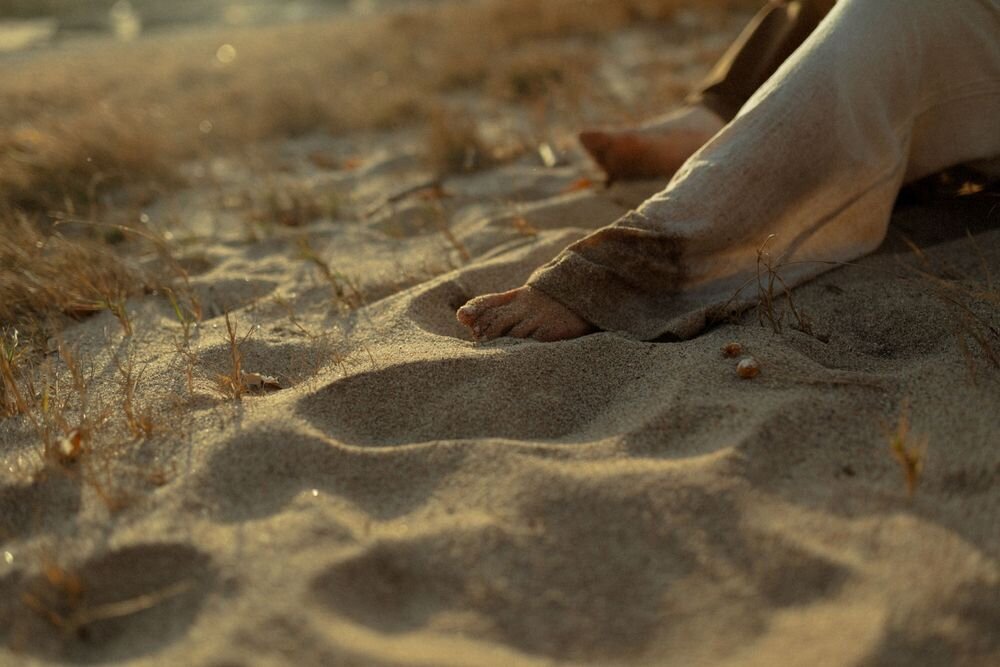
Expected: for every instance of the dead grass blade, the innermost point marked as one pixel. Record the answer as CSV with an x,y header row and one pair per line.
x,y
909,451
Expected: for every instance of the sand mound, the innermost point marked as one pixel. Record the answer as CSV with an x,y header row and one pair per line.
x,y
408,497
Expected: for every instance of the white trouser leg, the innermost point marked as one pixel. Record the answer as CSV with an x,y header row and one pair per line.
x,y
883,92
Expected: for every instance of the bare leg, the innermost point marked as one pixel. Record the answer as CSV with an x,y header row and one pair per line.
x,y
658,148
654,150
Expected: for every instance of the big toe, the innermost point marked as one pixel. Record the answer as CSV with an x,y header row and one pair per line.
x,y
467,314
475,309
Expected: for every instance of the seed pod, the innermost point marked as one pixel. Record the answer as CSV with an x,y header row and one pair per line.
x,y
732,350
748,368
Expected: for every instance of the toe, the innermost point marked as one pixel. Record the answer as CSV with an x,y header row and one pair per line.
x,y
475,309
525,328
496,323
467,315
521,313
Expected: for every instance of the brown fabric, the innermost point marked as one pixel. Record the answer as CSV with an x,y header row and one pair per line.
x,y
764,45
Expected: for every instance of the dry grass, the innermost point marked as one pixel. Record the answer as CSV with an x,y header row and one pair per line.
x,y
138,418
73,161
289,204
230,383
768,308
972,325
12,398
910,451
346,295
454,144
187,309
48,276
81,433
76,127
59,596
55,274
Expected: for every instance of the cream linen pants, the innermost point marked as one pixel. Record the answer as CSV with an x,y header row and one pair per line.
x,y
883,92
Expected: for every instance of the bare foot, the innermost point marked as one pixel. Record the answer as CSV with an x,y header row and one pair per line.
x,y
655,150
522,313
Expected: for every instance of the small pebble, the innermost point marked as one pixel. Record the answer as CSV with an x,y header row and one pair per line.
x,y
732,350
69,447
748,368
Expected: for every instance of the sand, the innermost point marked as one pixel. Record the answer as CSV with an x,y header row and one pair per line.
x,y
414,498
410,497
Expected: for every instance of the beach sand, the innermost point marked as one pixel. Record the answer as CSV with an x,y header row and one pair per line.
x,y
410,497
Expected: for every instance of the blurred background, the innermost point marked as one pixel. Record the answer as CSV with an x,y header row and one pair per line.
x,y
33,22
26,24
100,94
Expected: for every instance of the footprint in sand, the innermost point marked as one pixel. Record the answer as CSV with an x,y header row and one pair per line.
x,y
542,396
259,473
391,587
602,567
119,606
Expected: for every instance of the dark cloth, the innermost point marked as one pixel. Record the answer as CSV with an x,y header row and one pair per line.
x,y
773,35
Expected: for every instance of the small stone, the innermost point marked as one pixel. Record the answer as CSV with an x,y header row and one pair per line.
x,y
732,350
748,368
69,447
259,382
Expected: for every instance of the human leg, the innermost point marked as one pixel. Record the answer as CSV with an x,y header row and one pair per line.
x,y
883,92
659,147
